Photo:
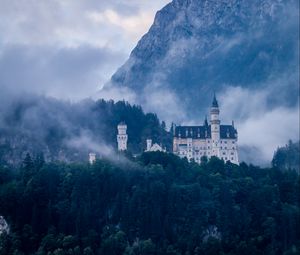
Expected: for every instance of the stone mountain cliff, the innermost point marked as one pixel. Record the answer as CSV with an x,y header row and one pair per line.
x,y
197,46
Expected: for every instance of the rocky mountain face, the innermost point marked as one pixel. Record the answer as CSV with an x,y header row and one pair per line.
x,y
4,228
197,46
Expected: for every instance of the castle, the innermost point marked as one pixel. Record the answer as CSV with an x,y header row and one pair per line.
x,y
194,142
122,137
154,147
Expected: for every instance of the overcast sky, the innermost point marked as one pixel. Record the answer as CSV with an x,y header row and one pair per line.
x,y
66,48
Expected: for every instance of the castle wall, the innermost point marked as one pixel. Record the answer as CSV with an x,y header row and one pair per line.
x,y
194,149
222,141
122,137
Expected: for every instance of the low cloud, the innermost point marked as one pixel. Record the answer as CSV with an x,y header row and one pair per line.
x,y
86,142
261,127
163,102
64,73
74,23
270,130
133,26
68,49
117,94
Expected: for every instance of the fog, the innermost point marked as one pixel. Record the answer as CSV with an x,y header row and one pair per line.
x,y
68,50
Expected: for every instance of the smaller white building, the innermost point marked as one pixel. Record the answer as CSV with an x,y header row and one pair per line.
x,y
92,158
154,147
122,137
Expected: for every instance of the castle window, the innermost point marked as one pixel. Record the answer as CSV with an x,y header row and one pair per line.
x,y
232,153
225,142
232,142
231,158
225,148
224,153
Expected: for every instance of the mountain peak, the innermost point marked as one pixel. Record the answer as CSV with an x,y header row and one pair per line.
x,y
197,46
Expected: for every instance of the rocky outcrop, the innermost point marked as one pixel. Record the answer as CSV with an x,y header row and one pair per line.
x,y
197,46
4,228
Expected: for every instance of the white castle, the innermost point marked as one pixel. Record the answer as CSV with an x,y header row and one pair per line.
x,y
154,147
194,142
122,137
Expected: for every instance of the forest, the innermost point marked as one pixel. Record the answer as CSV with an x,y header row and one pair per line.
x,y
153,204
65,131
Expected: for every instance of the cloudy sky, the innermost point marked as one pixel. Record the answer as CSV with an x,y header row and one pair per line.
x,y
69,49
65,48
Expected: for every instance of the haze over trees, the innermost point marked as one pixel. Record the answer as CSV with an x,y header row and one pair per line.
x,y
288,157
69,131
155,204
53,202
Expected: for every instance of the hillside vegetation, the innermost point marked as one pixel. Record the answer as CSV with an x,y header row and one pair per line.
x,y
288,157
69,131
155,204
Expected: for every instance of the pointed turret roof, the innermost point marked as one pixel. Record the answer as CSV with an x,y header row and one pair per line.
x,y
205,121
215,102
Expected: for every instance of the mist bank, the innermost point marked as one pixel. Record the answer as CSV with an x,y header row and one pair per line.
x,y
68,131
196,47
245,51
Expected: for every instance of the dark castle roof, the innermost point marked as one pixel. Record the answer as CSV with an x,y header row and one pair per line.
x,y
202,132
215,102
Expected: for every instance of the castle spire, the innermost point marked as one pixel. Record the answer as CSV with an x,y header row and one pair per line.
x,y
215,124
205,121
215,102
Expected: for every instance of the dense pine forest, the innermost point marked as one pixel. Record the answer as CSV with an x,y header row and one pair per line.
x,y
288,157
117,119
153,204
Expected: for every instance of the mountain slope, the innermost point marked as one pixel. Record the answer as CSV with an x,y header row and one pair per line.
x,y
69,131
197,46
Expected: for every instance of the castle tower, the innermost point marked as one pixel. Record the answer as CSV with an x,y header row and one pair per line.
x,y
215,126
122,137
92,158
149,144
